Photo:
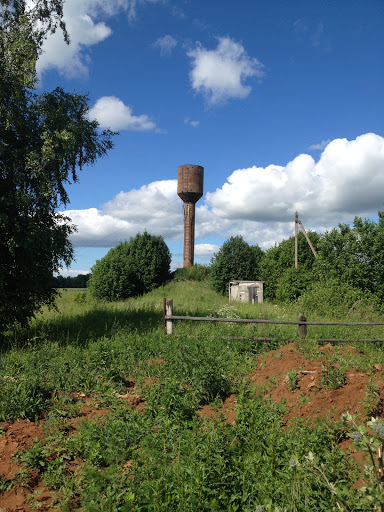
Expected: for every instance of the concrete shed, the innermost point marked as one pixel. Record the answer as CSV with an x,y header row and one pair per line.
x,y
247,291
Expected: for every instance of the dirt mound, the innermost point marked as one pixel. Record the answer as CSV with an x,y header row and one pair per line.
x,y
311,388
318,388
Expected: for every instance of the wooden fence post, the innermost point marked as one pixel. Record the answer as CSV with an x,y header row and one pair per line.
x,y
302,327
169,312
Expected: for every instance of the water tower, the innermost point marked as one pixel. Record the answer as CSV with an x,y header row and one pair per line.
x,y
190,180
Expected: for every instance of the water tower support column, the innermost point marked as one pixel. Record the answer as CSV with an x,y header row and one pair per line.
x,y
189,234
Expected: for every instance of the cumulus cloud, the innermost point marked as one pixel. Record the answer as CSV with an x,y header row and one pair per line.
x,y
154,202
112,113
220,74
154,207
205,251
86,24
166,44
98,230
258,203
347,180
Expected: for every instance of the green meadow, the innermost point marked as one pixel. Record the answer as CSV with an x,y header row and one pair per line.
x,y
164,455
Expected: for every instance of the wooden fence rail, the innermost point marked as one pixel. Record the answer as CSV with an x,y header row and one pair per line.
x,y
302,323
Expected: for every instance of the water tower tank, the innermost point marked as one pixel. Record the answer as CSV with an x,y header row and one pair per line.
x,y
189,188
190,179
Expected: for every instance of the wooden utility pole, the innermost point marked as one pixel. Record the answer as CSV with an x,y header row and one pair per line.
x,y
298,221
296,244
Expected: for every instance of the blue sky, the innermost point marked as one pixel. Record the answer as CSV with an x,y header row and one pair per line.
x,y
281,102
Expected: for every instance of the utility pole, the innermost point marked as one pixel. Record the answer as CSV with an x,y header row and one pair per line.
x,y
296,242
298,221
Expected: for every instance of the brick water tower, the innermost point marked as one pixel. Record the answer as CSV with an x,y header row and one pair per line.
x,y
190,180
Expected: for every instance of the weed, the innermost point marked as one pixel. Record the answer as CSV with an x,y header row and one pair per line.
x,y
331,376
177,460
371,399
226,311
304,399
293,380
80,298
272,383
33,499
5,485
35,457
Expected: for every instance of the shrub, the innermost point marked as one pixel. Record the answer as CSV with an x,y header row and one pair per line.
x,y
277,268
292,284
131,268
235,260
331,297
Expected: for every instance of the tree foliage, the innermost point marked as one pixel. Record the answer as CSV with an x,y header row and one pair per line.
x,y
350,257
278,271
336,298
44,140
131,268
235,260
355,255
79,281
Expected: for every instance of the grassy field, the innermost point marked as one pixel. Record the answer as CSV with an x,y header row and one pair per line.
x,y
117,406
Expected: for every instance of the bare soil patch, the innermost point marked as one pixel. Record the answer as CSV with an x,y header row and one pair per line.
x,y
311,399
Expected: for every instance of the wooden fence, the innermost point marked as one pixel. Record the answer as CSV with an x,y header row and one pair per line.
x,y
169,318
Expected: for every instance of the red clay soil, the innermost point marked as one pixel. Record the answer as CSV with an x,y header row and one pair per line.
x,y
227,410
309,401
16,436
21,434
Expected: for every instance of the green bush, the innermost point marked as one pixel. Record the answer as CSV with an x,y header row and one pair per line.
x,y
292,283
131,268
355,255
235,260
334,298
277,267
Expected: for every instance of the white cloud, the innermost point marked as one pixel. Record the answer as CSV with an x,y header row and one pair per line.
x,y
257,203
322,145
220,74
190,122
112,113
205,251
312,32
347,180
98,230
154,207
85,22
166,44
65,272
156,202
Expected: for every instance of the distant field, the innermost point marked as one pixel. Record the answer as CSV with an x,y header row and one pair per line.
x,y
101,411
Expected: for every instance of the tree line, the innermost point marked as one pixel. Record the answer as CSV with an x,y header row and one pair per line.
x,y
352,256
79,281
349,264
